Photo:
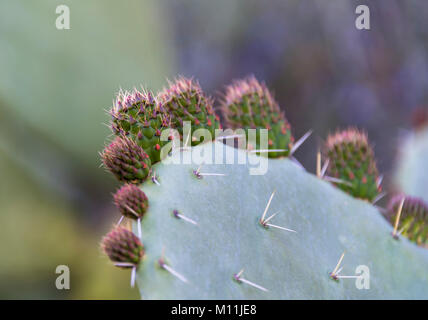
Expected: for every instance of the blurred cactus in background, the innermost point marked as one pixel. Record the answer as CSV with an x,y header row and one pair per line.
x,y
123,247
131,201
352,160
139,116
55,88
126,160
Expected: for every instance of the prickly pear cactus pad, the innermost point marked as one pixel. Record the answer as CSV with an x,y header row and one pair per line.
x,y
248,104
351,159
412,169
185,101
202,230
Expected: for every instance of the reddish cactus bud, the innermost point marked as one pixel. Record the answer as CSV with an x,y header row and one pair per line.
x,y
413,220
126,160
143,120
352,161
131,201
123,247
248,104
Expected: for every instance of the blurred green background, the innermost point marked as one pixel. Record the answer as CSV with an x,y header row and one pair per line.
x,y
55,85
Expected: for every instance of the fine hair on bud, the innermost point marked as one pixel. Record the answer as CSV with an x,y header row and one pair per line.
x,y
138,115
126,160
131,201
185,101
352,161
123,247
413,222
248,104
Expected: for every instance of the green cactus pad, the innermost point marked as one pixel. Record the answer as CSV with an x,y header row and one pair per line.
x,y
131,201
139,116
123,247
351,159
413,219
126,160
185,101
228,237
248,104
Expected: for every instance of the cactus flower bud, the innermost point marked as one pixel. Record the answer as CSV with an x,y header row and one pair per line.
x,y
420,118
126,160
185,101
123,247
139,116
248,104
413,220
352,161
131,201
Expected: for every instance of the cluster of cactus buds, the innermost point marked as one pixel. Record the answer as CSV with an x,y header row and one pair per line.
x,y
126,160
413,222
123,248
351,161
139,116
185,101
248,104
131,201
